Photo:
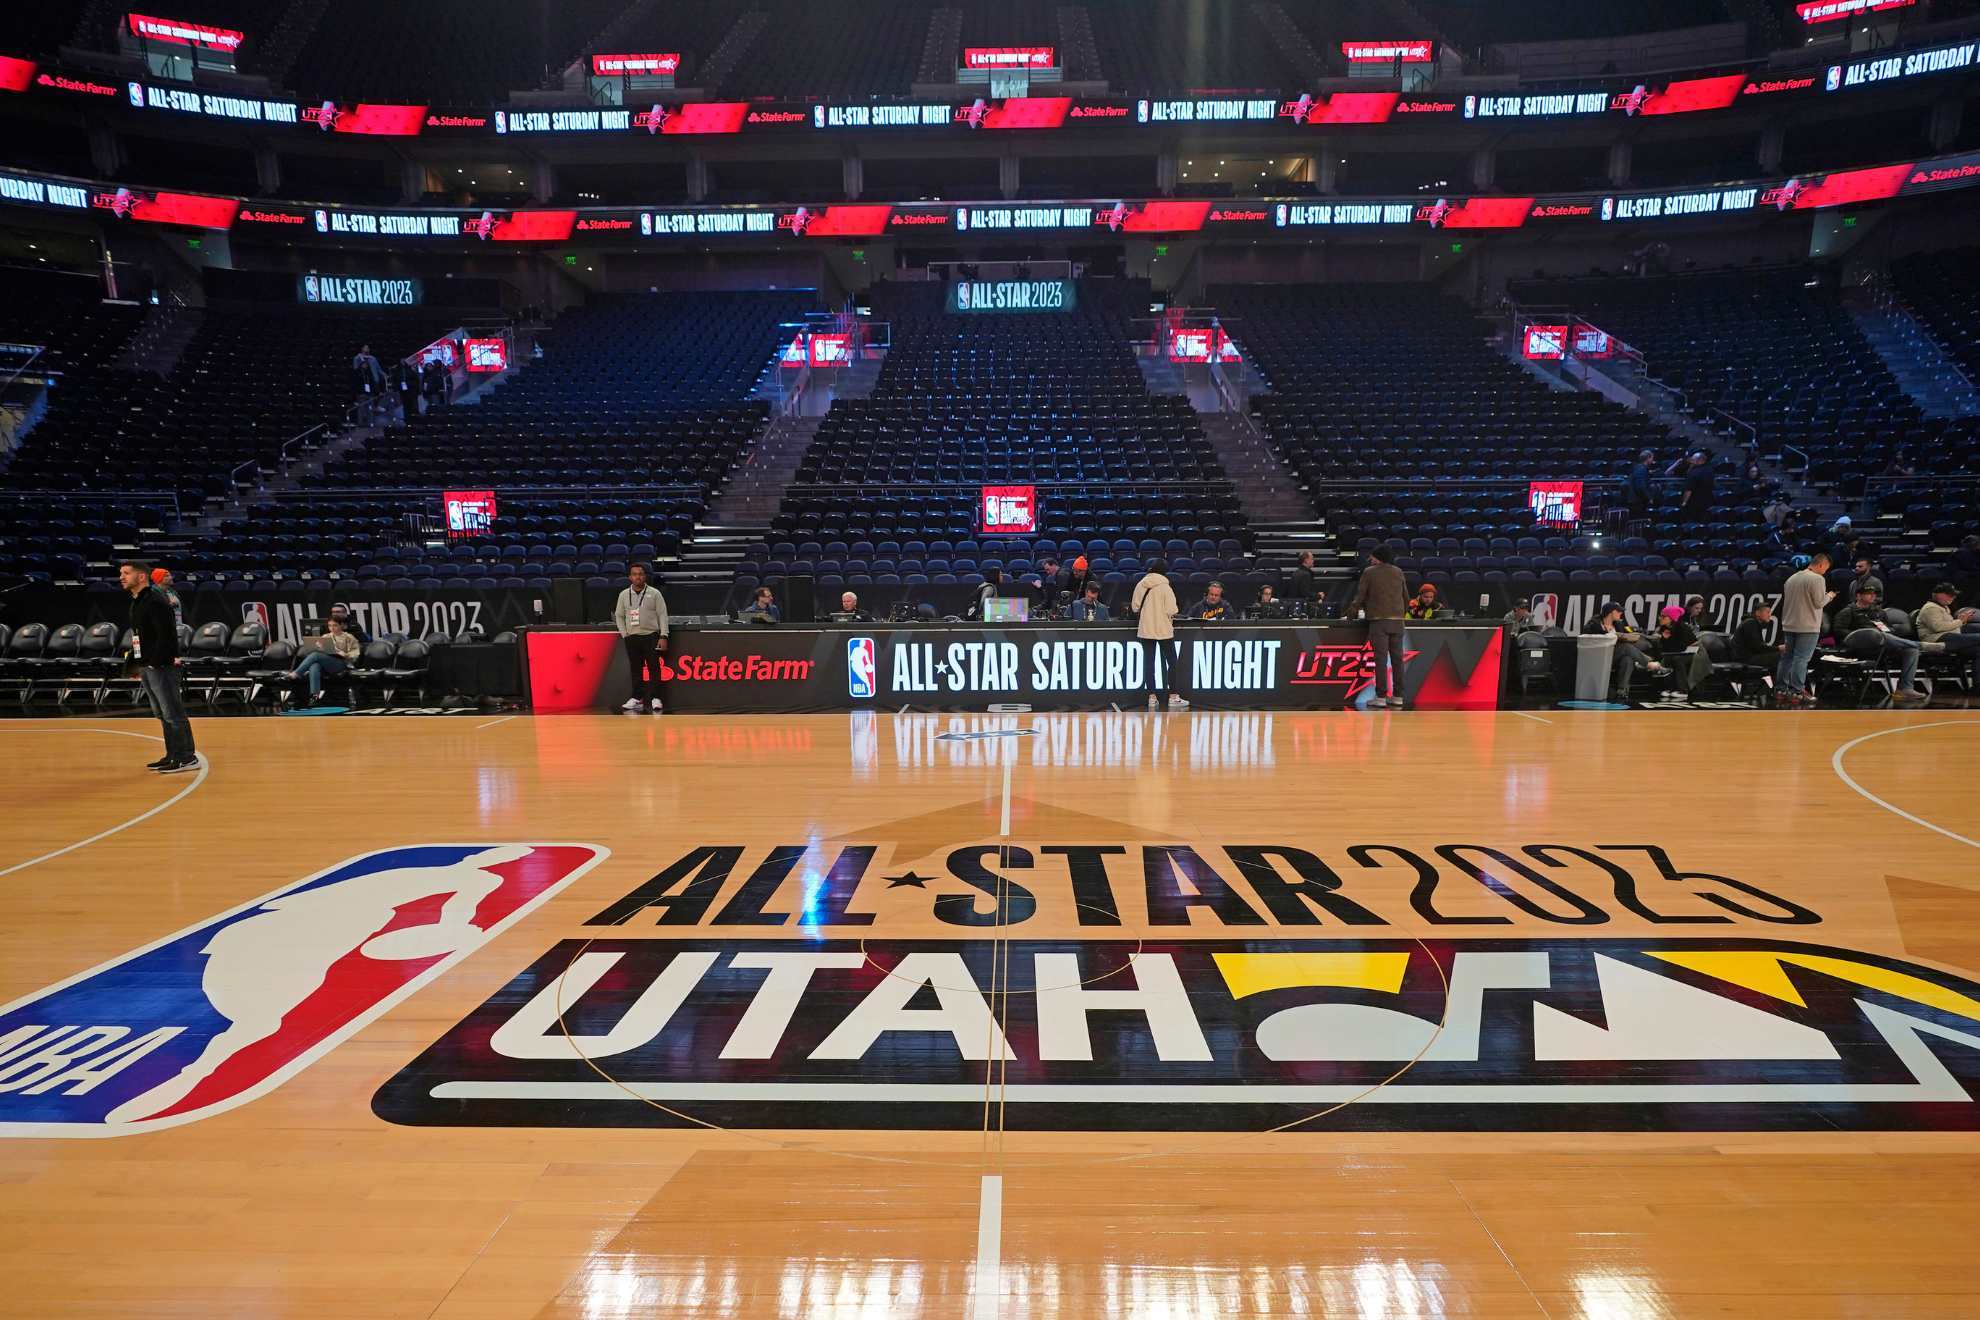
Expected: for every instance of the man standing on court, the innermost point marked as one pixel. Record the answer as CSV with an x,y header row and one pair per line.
x,y
1383,595
155,647
641,616
1802,602
1154,606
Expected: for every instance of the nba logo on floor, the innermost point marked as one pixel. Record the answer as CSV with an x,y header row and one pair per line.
x,y
862,673
226,1011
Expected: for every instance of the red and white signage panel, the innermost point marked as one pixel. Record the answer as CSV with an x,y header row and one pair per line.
x,y
1545,343
1203,343
469,512
831,350
1388,52
1830,11
1555,503
181,32
612,66
1008,510
1008,57
486,355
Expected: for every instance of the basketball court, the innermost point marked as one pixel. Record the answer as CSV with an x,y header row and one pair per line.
x,y
1178,1015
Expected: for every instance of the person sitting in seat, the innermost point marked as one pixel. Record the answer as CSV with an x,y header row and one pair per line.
x,y
1423,605
1089,608
1520,617
1630,655
1213,605
1941,628
343,614
762,609
1756,641
1269,606
324,657
1856,621
849,610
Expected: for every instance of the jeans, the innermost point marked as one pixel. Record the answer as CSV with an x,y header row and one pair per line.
x,y
1385,642
1909,651
1629,658
1164,658
168,702
1791,674
317,666
645,666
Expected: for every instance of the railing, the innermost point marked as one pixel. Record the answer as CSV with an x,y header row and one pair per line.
x,y
1177,484
96,497
284,456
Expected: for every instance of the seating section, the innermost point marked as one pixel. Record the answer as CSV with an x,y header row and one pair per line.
x,y
1942,289
249,380
1482,22
1409,427
886,495
472,54
647,391
35,29
1779,350
1164,47
844,52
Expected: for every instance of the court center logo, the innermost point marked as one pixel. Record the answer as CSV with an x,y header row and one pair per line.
x,y
1116,1035
225,1011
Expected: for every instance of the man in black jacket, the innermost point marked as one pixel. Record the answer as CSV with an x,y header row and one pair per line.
x,y
156,650
1756,641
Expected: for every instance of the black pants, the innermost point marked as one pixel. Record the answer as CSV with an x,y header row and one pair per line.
x,y
1164,658
168,702
644,664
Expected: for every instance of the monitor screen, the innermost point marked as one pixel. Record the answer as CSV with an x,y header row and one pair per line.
x,y
1006,609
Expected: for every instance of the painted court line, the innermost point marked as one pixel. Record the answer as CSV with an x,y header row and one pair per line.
x,y
1836,763
1528,716
492,723
198,779
989,1249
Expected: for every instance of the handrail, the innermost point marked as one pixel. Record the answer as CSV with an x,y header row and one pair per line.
x,y
96,496
319,493
1179,483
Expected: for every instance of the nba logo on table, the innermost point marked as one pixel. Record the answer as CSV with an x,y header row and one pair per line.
x,y
228,1010
862,673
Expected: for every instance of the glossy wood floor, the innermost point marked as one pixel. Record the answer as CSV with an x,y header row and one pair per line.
x,y
303,1202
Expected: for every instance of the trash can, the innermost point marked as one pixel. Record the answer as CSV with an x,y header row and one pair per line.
x,y
1594,660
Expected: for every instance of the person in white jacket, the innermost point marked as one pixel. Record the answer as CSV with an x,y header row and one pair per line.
x,y
1154,606
641,616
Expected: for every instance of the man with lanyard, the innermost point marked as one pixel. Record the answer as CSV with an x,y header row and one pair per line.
x,y
641,616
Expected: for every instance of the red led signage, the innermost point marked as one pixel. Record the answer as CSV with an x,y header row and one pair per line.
x,y
1555,503
612,66
1388,52
1341,108
470,512
15,75
487,355
1828,11
694,117
1008,510
168,208
1008,57
1201,344
832,350
1544,343
179,32
367,119
1016,112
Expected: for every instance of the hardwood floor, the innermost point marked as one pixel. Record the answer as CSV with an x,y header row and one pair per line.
x,y
1554,1014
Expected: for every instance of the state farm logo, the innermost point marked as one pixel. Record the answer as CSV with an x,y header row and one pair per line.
x,y
1099,112
776,117
912,219
1426,107
272,218
732,669
1242,217
1556,211
457,121
594,225
62,84
1946,175
1778,85
1351,667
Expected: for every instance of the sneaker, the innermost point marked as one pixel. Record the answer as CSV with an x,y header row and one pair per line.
x,y
1177,703
179,767
654,706
160,763
1154,704
633,704
1909,695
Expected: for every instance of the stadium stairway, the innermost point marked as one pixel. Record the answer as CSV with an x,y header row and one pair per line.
x,y
756,485
1922,367
160,340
